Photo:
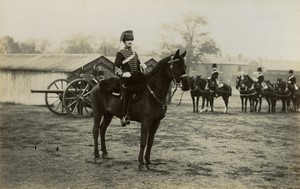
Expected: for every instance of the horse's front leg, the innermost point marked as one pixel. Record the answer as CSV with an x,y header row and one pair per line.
x,y
259,104
246,102
226,100
197,103
212,104
242,101
151,135
143,142
268,102
193,99
283,109
203,104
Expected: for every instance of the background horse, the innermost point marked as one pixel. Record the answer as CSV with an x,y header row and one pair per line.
x,y
256,93
148,108
267,93
245,92
195,91
208,95
282,93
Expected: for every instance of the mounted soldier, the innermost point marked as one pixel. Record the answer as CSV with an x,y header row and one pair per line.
x,y
127,65
213,81
292,82
261,79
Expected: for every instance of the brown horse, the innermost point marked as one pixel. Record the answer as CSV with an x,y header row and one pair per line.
x,y
148,109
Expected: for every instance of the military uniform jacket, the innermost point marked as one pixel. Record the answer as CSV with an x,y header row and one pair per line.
x,y
260,77
292,79
133,65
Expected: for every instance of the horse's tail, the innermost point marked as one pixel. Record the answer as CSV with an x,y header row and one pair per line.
x,y
97,105
230,90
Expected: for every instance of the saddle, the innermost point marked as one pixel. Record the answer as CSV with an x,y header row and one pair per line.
x,y
135,84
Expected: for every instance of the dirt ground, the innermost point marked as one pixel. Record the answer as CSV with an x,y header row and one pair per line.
x,y
191,150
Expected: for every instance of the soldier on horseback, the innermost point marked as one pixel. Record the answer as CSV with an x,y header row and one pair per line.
x,y
261,79
292,81
214,84
127,64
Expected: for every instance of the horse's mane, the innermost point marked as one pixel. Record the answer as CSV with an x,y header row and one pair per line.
x,y
159,65
249,78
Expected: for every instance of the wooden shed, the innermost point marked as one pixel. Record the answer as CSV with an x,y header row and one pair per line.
x,y
19,73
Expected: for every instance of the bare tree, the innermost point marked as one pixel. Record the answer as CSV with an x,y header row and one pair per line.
x,y
190,35
77,44
8,45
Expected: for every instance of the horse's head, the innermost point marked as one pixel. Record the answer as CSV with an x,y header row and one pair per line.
x,y
281,86
197,81
247,81
193,82
177,71
239,85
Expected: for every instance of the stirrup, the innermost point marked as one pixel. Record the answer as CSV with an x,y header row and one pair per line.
x,y
123,123
127,120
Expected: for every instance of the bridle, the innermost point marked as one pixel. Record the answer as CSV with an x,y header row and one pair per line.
x,y
175,79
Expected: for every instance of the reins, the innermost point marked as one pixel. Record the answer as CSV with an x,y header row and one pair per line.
x,y
163,104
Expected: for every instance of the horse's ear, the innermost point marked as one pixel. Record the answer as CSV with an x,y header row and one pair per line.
x,y
183,54
177,53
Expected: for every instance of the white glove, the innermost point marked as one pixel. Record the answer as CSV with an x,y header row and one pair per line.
x,y
126,74
143,66
118,71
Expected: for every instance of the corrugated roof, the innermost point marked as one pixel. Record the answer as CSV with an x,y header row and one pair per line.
x,y
281,65
46,62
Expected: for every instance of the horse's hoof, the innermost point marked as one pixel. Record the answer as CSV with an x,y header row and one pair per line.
x,y
97,160
148,167
105,156
141,167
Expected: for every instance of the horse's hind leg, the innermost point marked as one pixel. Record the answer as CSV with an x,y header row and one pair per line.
x,y
96,127
143,142
226,99
193,103
103,127
152,132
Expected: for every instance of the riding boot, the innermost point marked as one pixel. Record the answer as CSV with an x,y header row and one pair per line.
x,y
122,120
125,118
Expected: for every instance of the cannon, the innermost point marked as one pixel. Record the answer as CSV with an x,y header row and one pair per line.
x,y
64,97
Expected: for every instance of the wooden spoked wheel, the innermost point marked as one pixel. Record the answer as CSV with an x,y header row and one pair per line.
x,y
76,98
54,99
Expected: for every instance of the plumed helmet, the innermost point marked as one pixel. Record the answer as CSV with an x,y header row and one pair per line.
x,y
214,67
127,35
259,69
291,71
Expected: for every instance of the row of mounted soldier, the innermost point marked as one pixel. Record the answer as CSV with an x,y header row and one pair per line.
x,y
252,90
285,90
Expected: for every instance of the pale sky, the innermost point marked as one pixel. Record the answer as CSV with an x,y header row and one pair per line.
x,y
254,28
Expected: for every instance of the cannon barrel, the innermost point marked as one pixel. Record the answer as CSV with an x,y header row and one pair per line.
x,y
47,91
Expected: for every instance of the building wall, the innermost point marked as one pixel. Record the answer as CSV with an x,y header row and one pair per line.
x,y
16,85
